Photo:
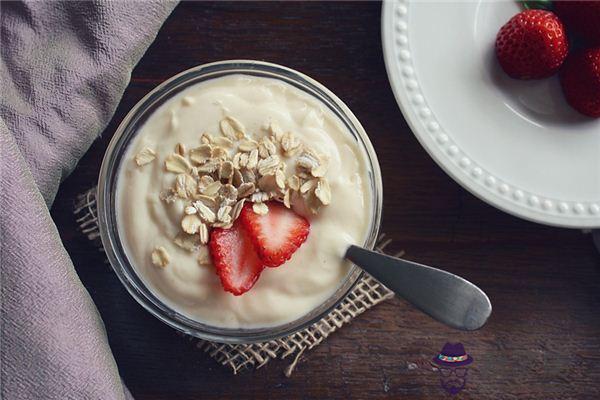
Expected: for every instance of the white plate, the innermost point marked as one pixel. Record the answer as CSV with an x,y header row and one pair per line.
x,y
515,144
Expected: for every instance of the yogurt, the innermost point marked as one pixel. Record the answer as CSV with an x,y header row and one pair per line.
x,y
145,222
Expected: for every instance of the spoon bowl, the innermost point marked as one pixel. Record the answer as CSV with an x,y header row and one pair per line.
x,y
445,297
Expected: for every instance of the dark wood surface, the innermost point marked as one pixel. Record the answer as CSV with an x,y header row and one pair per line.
x,y
543,339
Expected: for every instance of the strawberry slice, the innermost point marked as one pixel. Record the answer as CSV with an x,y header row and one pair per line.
x,y
235,259
277,234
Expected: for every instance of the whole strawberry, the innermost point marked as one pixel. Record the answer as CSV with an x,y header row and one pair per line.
x,y
580,81
582,18
532,45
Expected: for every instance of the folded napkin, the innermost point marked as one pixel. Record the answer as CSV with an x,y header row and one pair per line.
x,y
63,69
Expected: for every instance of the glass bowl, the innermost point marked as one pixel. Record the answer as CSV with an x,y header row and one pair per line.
x,y
108,182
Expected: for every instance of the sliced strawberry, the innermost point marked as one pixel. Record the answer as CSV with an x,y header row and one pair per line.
x,y
276,235
235,259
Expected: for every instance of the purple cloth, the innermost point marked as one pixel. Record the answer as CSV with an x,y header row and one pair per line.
x,y
63,69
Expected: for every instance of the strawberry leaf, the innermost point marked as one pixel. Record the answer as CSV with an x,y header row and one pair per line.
x,y
537,4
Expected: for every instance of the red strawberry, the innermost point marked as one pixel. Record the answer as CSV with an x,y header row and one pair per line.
x,y
235,259
581,18
277,234
580,80
532,45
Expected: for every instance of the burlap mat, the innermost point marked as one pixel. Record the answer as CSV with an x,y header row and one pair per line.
x,y
366,294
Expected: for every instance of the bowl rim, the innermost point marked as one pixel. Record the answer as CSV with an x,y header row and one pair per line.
x,y
106,194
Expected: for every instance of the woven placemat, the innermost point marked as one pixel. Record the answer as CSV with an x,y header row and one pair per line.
x,y
366,294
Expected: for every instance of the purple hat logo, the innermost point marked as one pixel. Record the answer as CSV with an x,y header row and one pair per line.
x,y
452,365
453,355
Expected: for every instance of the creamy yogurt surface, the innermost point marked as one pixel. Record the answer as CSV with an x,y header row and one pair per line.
x,y
281,294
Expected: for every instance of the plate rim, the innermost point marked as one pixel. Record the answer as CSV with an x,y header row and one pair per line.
x,y
447,155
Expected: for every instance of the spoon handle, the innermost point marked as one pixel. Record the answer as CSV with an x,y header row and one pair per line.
x,y
446,297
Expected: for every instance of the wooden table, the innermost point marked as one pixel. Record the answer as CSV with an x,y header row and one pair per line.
x,y
543,339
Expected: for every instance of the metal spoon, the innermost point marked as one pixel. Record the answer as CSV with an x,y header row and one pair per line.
x,y
446,297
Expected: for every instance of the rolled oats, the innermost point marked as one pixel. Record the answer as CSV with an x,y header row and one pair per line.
x,y
203,233
228,192
204,256
275,131
266,148
176,163
245,190
224,225
248,176
260,208
244,160
222,141
290,144
189,210
307,161
294,182
217,185
269,165
227,202
236,160
226,170
286,198
280,179
312,202
206,214
212,189
237,209
252,159
145,156
201,154
191,223
267,183
259,197
320,170
247,145
167,196
160,257
219,153
209,167
308,186
323,191
223,215
205,181
206,138
187,242
238,179
180,149
304,175
232,128
185,186
208,201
